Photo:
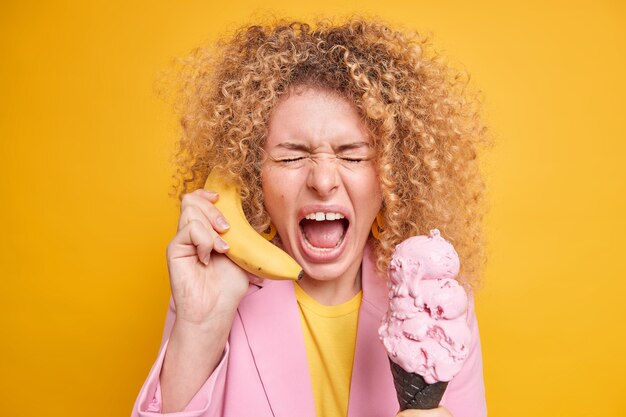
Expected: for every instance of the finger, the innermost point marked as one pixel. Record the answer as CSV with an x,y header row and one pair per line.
x,y
195,239
196,199
205,240
198,195
212,196
193,213
220,245
206,213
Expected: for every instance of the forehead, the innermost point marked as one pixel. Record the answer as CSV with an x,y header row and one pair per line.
x,y
315,118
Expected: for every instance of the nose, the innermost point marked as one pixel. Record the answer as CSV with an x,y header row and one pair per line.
x,y
323,176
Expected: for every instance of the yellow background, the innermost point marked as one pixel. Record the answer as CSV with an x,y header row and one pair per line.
x,y
86,217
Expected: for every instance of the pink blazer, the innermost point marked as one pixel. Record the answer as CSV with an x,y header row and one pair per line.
x,y
264,371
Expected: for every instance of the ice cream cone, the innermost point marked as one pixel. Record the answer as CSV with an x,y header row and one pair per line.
x,y
425,328
413,392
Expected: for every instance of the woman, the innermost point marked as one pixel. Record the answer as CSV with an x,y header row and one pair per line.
x,y
332,133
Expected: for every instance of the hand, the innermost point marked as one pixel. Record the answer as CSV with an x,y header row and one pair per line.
x,y
435,412
205,284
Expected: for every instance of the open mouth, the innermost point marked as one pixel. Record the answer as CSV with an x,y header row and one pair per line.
x,y
324,231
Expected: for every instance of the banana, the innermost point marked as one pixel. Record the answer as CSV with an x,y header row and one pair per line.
x,y
248,249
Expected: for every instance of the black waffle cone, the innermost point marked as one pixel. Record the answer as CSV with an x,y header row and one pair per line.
x,y
413,392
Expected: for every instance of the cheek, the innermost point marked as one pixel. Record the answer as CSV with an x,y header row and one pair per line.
x,y
369,185
274,196
366,195
374,197
278,207
281,184
272,199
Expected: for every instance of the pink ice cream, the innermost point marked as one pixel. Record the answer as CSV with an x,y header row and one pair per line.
x,y
425,329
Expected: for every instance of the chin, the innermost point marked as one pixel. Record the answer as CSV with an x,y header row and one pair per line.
x,y
330,271
320,276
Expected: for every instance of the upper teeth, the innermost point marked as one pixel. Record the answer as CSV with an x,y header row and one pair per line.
x,y
320,216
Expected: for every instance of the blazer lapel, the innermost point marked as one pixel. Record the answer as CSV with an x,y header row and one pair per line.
x,y
272,325
372,391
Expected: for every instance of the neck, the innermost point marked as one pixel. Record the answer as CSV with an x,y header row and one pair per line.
x,y
333,292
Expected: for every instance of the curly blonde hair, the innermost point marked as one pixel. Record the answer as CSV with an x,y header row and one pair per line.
x,y
424,123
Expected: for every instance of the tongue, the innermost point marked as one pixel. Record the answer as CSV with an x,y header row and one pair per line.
x,y
324,234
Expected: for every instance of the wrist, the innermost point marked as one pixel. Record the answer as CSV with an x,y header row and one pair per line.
x,y
216,324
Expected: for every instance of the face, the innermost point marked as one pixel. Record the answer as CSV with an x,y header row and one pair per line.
x,y
319,183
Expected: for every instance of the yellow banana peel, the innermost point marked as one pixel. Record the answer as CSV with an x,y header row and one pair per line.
x,y
249,249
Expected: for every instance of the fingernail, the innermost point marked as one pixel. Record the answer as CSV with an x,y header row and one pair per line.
x,y
205,260
222,223
211,194
221,243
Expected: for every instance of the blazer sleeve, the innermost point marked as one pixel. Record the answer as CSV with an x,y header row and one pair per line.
x,y
465,394
207,402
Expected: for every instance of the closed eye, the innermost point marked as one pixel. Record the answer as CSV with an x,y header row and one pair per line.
x,y
343,158
292,159
353,159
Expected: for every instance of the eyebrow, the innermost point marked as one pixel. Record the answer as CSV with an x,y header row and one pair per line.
x,y
305,148
353,145
292,146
